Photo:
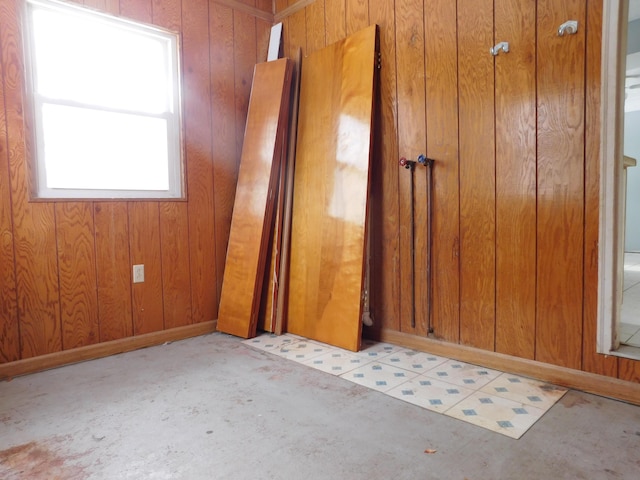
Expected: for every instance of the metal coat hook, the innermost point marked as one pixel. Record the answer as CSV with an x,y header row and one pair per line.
x,y
570,27
504,46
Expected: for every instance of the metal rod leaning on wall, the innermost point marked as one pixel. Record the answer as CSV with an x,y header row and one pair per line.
x,y
409,165
428,162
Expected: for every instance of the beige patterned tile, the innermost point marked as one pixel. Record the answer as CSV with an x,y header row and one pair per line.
x,y
378,376
463,374
430,393
412,360
270,341
525,390
336,362
301,350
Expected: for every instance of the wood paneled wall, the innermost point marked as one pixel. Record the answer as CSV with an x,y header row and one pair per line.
x,y
65,267
516,183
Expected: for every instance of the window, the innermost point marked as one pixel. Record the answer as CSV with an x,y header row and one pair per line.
x,y
106,105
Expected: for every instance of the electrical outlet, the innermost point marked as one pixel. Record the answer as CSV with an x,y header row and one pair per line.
x,y
138,273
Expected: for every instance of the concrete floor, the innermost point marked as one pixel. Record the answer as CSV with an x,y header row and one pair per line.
x,y
213,408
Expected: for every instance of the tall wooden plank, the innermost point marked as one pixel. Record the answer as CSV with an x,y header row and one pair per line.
x,y
560,78
477,173
253,207
440,17
77,271
144,238
331,191
357,14
315,22
335,26
33,223
9,329
592,361
200,181
113,270
410,58
515,77
385,278
225,169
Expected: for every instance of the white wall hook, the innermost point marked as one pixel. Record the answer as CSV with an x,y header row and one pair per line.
x,y
570,27
504,46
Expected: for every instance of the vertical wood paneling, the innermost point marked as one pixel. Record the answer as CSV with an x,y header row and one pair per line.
x,y
629,370
144,238
77,264
442,145
263,32
297,33
334,20
9,330
385,294
560,184
592,361
411,142
477,173
515,112
357,13
225,170
34,224
113,267
314,17
200,185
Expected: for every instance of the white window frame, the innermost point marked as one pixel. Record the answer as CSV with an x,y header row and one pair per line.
x,y
172,172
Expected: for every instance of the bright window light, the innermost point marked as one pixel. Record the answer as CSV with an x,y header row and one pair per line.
x,y
106,104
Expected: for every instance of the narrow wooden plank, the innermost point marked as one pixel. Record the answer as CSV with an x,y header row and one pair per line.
x,y
113,270
385,279
560,184
440,19
9,329
592,361
335,25
198,140
357,15
144,238
477,173
629,370
253,206
331,191
77,271
33,223
515,108
410,58
315,22
225,171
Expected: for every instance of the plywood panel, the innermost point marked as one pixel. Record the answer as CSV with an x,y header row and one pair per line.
x,y
592,361
77,264
330,191
297,32
113,268
34,224
629,370
357,13
9,333
385,278
411,143
263,32
225,170
334,21
200,186
314,15
477,173
253,206
515,108
561,91
442,145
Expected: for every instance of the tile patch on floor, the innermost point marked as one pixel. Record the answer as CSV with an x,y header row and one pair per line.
x,y
501,402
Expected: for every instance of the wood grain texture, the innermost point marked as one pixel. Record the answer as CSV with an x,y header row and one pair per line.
x,y
197,98
263,31
629,370
357,15
385,267
315,22
113,266
331,191
77,272
592,361
560,78
267,119
9,326
515,112
335,25
410,86
477,173
442,145
297,32
144,240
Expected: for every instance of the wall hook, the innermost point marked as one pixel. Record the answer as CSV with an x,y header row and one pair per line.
x,y
504,46
570,27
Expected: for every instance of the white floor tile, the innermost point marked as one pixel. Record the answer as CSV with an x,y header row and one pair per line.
x,y
524,390
270,341
430,393
301,350
463,374
412,360
336,362
379,376
376,350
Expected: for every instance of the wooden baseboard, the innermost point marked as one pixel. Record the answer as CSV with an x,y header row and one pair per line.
x,y
99,350
566,377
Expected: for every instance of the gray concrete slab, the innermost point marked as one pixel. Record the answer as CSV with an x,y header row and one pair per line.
x,y
213,408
